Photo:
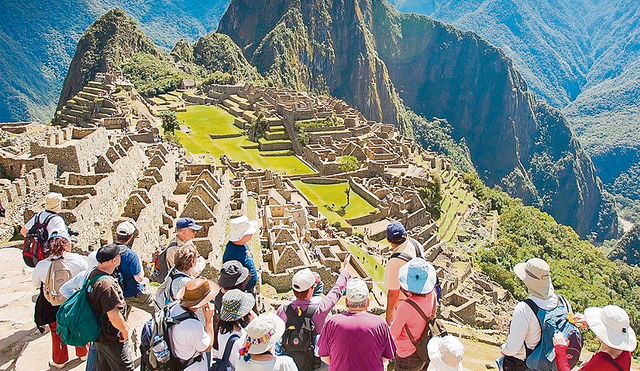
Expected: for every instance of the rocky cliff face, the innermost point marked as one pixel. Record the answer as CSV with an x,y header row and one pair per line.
x,y
369,54
111,39
628,248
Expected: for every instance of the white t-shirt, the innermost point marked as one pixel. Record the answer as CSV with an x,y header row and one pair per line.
x,y
281,363
189,339
76,262
222,343
56,223
525,327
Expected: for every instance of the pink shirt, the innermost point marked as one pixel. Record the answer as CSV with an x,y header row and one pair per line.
x,y
408,315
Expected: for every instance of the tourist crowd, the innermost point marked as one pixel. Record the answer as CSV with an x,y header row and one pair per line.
x,y
197,325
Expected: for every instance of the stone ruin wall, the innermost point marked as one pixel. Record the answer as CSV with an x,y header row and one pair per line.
x,y
77,156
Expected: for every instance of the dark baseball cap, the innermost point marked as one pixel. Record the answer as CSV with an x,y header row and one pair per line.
x,y
187,223
108,252
232,274
396,232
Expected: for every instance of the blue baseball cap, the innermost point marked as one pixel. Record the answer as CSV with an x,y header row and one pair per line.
x,y
396,232
418,276
187,223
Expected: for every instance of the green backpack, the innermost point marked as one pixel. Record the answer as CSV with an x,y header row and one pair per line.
x,y
76,322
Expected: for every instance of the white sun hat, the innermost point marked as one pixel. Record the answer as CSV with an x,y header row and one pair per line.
x,y
611,326
536,275
446,353
241,227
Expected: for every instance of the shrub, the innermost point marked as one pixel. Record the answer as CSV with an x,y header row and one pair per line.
x,y
169,121
348,163
336,225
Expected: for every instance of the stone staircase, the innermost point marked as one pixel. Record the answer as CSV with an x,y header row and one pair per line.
x,y
89,106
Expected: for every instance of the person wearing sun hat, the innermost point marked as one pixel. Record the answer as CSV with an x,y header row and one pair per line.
x,y
55,222
617,340
242,229
235,315
524,331
191,338
259,342
417,282
446,353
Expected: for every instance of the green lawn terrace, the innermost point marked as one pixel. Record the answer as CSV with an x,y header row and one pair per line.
x,y
164,102
212,131
457,199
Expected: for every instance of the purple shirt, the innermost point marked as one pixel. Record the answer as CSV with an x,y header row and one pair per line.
x,y
325,305
356,342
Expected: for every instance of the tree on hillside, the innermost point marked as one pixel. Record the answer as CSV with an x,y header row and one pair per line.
x,y
348,163
259,127
169,121
432,196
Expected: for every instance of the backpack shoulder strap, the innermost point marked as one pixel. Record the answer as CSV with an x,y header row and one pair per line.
x,y
611,360
229,346
311,310
49,217
401,255
415,306
417,246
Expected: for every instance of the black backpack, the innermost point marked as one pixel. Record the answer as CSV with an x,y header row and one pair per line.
x,y
159,326
223,364
298,340
161,267
35,247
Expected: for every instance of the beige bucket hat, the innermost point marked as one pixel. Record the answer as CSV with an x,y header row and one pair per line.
x,y
536,275
53,202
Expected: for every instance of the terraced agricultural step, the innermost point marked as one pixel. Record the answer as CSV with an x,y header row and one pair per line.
x,y
250,146
249,116
276,135
92,90
277,145
229,103
277,153
276,127
241,123
87,95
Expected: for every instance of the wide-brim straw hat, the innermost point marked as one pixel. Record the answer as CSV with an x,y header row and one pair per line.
x,y
536,275
446,353
241,227
53,202
196,293
263,333
611,326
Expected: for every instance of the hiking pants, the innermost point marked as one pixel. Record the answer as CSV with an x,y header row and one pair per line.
x,y
92,358
114,357
411,363
60,354
144,301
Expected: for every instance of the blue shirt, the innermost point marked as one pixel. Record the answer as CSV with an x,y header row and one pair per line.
x,y
129,267
243,255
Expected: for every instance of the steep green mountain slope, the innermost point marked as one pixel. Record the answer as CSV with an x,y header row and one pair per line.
x,y
438,71
628,248
582,56
38,39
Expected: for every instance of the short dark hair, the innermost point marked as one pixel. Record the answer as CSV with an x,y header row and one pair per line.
x,y
225,327
122,239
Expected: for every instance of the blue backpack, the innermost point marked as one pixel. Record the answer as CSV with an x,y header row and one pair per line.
x,y
223,364
542,358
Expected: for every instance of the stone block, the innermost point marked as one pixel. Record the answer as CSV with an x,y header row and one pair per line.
x,y
203,245
143,194
121,151
147,182
172,204
206,176
288,259
134,207
206,225
205,192
171,212
154,172
157,162
21,186
103,166
167,220
12,192
197,209
113,155
126,143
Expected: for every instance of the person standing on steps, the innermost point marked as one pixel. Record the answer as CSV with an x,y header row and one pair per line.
x,y
68,264
189,265
617,340
417,282
107,301
186,229
242,230
53,205
403,250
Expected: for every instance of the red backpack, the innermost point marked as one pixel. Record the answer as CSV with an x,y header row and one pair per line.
x,y
35,247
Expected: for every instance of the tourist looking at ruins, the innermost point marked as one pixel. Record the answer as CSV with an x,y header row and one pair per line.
x,y
617,340
403,249
189,265
235,315
45,311
130,274
259,344
417,282
232,276
53,205
242,230
525,332
356,340
445,353
191,338
186,229
304,283
105,296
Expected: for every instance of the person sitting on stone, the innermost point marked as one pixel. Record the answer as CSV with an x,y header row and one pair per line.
x,y
403,250
189,265
617,340
524,331
417,282
130,274
259,343
242,230
356,340
186,229
45,312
